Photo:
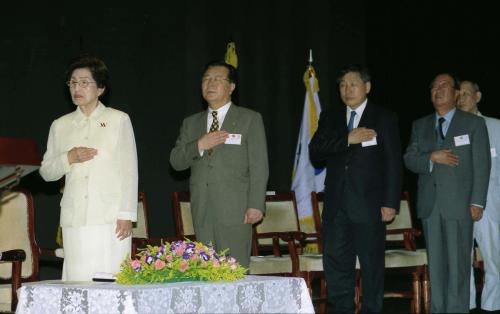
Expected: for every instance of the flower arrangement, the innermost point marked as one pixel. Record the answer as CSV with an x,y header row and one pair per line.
x,y
179,261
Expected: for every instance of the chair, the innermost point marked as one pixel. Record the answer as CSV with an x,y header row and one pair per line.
x,y
279,226
15,257
406,259
17,232
311,265
478,268
182,215
280,217
140,228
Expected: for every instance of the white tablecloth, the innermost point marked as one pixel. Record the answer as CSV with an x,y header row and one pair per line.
x,y
254,294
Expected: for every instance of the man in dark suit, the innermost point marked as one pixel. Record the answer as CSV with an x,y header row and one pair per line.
x,y
225,148
360,144
450,152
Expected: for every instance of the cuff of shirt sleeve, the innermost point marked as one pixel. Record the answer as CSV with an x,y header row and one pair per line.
x,y
127,216
477,205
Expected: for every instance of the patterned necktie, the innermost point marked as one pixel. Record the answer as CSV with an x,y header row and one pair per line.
x,y
215,122
350,125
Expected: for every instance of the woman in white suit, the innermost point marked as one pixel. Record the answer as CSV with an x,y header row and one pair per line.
x,y
94,148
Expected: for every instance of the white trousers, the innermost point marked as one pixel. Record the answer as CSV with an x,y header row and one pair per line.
x,y
487,235
91,249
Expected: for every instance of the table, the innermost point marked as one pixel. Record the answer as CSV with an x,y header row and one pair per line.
x,y
253,294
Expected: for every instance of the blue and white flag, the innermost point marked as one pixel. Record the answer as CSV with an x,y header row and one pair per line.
x,y
306,178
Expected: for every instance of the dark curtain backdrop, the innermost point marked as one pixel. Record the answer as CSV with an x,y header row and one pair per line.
x,y
156,55
156,52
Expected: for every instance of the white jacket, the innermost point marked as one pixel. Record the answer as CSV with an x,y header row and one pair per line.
x,y
492,209
103,189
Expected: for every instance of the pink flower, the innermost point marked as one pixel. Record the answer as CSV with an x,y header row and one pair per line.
x,y
183,266
232,260
216,264
233,266
179,251
159,264
135,264
194,257
169,258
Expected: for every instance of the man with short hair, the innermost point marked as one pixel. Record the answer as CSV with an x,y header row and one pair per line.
x,y
486,230
360,144
225,148
450,152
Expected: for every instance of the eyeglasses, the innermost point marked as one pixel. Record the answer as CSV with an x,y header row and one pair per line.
x,y
215,79
81,84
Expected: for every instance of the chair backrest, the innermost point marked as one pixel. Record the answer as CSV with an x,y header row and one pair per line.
x,y
281,215
318,204
141,227
181,205
17,231
403,219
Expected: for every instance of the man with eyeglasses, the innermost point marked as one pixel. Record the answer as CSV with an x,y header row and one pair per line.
x,y
225,148
486,230
450,152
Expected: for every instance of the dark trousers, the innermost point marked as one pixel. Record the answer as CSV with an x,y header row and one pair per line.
x,y
343,240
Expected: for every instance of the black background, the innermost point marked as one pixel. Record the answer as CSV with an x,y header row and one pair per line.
x,y
156,51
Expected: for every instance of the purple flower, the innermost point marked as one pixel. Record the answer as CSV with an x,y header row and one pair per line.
x,y
185,256
190,245
204,256
158,254
149,259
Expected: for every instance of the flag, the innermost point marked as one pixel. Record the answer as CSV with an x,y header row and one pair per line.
x,y
230,57
305,177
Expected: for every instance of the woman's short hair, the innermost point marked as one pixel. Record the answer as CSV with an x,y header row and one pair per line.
x,y
95,65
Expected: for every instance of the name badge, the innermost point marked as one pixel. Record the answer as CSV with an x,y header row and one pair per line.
x,y
233,139
462,140
493,152
371,142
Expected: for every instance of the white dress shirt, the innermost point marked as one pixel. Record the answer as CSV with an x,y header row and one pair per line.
x,y
359,113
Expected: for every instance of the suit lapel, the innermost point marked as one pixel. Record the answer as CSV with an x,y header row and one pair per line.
x,y
368,118
430,130
202,124
230,120
453,129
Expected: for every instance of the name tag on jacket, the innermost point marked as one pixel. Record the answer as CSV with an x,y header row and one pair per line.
x,y
462,140
233,139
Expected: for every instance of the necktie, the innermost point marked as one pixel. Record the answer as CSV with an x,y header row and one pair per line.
x,y
350,125
215,122
213,127
439,132
441,121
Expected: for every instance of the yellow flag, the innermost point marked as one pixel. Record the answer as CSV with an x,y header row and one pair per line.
x,y
231,57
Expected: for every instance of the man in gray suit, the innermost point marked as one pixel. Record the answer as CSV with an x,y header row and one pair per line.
x,y
225,147
486,230
450,152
